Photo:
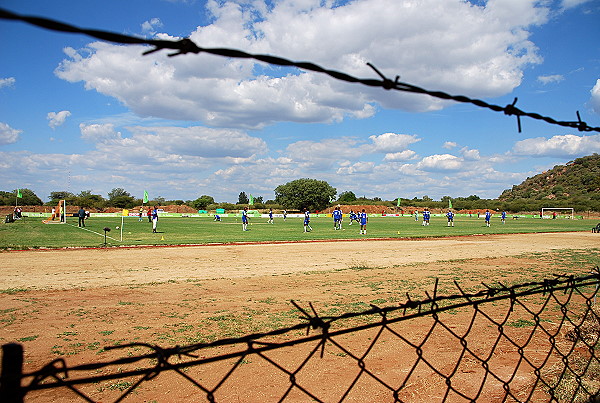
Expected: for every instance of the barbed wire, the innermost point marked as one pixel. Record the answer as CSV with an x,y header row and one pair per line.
x,y
58,374
186,45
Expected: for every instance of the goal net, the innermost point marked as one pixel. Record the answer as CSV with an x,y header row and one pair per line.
x,y
59,214
552,212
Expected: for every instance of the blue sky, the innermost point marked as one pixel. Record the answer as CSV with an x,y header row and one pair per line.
x,y
80,114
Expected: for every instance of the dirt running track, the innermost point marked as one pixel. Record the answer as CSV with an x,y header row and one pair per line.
x,y
64,269
71,303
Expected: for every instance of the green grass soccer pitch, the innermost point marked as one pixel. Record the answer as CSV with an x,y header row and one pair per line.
x,y
32,233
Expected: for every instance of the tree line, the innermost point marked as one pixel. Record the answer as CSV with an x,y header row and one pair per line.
x,y
312,194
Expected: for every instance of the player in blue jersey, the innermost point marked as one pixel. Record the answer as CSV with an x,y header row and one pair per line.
x,y
353,217
245,219
488,217
450,216
307,226
337,218
271,217
217,217
364,219
503,217
426,216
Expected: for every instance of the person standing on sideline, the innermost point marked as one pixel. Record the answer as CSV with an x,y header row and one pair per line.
x,y
488,217
81,216
140,214
307,226
154,218
503,217
245,219
284,214
417,215
364,219
450,216
149,214
271,216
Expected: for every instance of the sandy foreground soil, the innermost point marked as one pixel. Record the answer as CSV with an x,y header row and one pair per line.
x,y
71,303
64,269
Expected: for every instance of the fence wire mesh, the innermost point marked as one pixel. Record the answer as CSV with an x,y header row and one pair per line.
x,y
527,342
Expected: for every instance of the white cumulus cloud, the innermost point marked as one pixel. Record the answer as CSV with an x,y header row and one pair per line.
x,y
99,132
595,99
151,25
450,45
56,119
8,135
564,146
440,162
556,78
392,142
7,82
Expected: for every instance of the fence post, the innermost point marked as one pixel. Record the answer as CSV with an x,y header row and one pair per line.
x,y
11,373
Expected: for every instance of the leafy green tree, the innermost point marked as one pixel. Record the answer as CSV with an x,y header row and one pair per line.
x,y
55,197
347,197
87,199
29,198
303,193
202,202
243,198
116,192
118,197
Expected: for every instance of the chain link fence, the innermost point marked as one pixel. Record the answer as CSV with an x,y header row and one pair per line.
x,y
527,342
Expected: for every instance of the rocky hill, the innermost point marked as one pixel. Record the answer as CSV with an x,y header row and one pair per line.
x,y
578,179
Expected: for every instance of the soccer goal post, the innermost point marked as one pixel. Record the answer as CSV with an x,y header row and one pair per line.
x,y
570,210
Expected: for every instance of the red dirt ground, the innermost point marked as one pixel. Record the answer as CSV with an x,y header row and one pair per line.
x,y
78,301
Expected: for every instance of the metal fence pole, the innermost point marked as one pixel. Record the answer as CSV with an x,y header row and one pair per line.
x,y
11,373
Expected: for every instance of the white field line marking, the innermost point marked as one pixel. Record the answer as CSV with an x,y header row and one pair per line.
x,y
94,232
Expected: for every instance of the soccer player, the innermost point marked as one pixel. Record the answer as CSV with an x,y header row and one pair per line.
x,y
450,216
307,226
245,219
363,222
154,218
271,217
284,214
353,217
337,218
503,217
416,215
217,217
488,217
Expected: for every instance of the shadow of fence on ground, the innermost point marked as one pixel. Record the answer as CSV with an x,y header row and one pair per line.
x,y
528,342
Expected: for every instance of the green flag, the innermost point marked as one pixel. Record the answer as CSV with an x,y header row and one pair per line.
x,y
449,203
19,194
331,199
251,202
398,202
145,197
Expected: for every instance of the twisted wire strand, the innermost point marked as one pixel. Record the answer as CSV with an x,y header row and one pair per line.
x,y
186,45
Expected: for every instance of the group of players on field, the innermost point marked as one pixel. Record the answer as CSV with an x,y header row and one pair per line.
x,y
362,218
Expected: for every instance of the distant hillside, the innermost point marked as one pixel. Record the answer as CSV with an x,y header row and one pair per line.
x,y
576,182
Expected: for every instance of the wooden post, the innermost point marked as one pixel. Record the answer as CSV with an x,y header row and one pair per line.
x,y
11,373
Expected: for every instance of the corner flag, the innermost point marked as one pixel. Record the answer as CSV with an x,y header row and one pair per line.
x,y
251,201
145,197
19,194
